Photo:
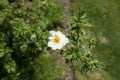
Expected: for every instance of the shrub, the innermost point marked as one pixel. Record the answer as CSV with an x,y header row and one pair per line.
x,y
24,27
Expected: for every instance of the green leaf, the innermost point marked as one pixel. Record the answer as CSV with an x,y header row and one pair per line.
x,y
69,56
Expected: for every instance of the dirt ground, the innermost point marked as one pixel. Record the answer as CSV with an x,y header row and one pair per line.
x,y
69,68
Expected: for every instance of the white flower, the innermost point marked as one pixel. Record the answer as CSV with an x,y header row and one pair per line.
x,y
57,40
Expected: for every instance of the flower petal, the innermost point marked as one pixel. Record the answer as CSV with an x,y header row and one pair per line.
x,y
52,33
50,44
60,44
51,38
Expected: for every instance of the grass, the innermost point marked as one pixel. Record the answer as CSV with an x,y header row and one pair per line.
x,y
104,16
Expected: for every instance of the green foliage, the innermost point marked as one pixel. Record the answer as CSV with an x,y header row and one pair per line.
x,y
104,16
24,54
80,20
46,68
23,29
82,43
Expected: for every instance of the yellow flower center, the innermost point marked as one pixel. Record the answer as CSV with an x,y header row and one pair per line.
x,y
56,39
